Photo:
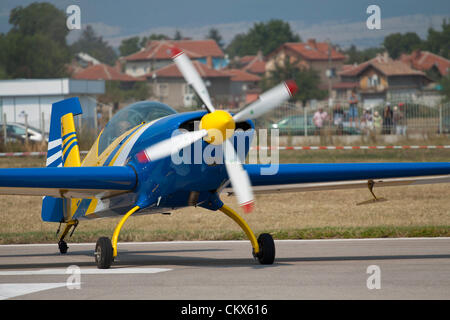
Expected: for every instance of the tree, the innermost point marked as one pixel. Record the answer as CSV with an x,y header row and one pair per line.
x,y
35,47
95,46
177,35
397,43
445,85
265,36
214,34
438,42
358,56
307,79
40,18
129,46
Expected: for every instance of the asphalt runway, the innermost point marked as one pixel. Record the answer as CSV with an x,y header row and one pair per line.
x,y
416,268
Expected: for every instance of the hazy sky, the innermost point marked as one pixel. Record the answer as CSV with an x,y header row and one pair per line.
x,y
125,18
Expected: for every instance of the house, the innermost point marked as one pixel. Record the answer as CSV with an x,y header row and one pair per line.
x,y
319,56
157,54
253,64
380,79
102,71
35,97
243,87
428,62
170,87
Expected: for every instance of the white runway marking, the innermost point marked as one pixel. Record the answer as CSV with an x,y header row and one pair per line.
x,y
227,241
11,290
86,271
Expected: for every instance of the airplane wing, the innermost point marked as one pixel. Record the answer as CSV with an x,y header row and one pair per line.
x,y
334,176
68,182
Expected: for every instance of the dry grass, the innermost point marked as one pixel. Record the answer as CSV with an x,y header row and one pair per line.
x,y
412,209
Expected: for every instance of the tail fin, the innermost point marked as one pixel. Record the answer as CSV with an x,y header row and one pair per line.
x,y
62,150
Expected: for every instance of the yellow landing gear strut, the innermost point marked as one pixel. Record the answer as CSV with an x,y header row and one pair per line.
x,y
105,250
263,247
61,243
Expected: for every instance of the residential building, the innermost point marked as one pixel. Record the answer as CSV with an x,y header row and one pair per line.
x,y
243,87
170,87
381,79
102,71
157,54
428,62
320,56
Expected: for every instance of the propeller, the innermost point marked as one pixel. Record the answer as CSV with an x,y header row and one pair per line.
x,y
217,126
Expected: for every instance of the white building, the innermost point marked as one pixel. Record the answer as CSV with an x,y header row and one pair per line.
x,y
35,97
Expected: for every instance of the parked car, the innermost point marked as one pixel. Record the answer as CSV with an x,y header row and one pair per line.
x,y
295,125
16,132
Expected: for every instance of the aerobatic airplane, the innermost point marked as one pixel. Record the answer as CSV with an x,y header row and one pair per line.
x,y
130,168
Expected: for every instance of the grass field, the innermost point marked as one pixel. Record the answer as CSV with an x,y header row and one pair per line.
x,y
410,211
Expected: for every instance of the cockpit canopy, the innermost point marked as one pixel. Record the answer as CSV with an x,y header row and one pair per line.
x,y
129,117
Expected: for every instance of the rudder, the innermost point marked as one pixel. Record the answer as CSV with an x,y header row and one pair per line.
x,y
60,153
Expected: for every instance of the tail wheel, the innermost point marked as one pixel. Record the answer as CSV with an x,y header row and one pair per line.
x,y
62,245
266,254
103,253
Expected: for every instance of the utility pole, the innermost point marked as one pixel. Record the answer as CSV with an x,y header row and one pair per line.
x,y
330,100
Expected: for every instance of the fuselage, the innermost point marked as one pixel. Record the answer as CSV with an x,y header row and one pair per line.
x,y
188,178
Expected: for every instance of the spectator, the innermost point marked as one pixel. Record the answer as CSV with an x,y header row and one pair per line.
x,y
399,121
353,108
338,119
377,122
367,122
319,119
387,119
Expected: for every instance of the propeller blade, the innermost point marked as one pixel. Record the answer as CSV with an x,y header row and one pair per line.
x,y
238,177
268,101
192,77
170,146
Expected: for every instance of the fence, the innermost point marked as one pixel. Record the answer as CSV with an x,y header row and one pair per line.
x,y
401,118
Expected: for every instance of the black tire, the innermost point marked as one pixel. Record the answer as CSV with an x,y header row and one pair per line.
x,y
62,245
266,253
103,253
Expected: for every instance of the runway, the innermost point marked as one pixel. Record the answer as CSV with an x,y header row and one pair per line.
x,y
412,268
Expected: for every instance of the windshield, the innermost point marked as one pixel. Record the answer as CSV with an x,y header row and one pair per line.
x,y
129,117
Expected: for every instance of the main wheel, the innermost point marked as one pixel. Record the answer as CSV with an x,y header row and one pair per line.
x,y
266,254
103,253
62,245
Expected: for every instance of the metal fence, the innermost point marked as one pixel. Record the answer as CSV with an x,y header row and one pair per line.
x,y
392,118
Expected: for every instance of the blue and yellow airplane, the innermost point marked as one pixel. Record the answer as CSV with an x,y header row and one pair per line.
x,y
130,168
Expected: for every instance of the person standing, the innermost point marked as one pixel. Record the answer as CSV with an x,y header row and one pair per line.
x,y
387,119
353,109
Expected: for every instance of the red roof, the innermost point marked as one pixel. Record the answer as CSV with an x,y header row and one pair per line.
x,y
257,66
311,50
425,60
160,50
240,75
103,72
383,64
172,71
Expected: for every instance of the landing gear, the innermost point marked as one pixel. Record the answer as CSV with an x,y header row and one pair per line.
x,y
103,253
266,254
62,245
106,249
263,247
